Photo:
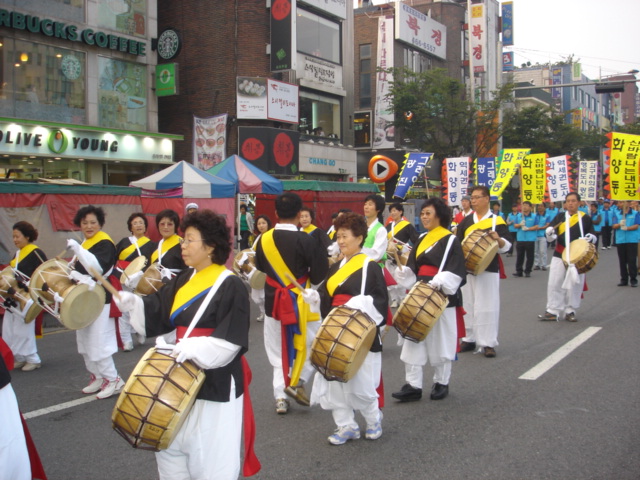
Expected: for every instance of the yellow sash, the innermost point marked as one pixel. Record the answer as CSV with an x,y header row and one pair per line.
x,y
397,228
431,238
304,314
485,224
98,237
572,221
167,245
354,264
24,251
332,234
124,254
198,284
309,229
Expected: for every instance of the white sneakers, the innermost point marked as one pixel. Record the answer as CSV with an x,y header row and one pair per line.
x,y
95,385
128,346
29,367
110,388
141,339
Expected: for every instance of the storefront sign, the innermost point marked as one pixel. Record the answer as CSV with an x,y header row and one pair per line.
x,y
316,158
267,99
62,142
478,37
283,38
50,28
421,31
167,79
337,8
282,101
320,72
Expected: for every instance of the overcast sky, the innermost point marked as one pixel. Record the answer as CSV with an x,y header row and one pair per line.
x,y
604,35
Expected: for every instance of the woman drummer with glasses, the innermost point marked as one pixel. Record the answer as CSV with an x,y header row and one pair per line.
x,y
168,254
19,335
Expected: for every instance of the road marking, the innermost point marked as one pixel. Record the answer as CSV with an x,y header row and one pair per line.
x,y
553,359
60,406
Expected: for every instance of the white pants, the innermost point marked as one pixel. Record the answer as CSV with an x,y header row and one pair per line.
x,y
257,295
359,393
21,338
438,349
540,257
273,346
14,457
561,301
97,343
482,304
125,328
207,446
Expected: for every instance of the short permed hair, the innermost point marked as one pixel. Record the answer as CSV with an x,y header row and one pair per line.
x,y
312,214
354,222
214,231
26,229
171,215
89,209
135,215
442,211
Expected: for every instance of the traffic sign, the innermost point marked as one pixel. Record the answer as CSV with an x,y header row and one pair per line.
x,y
382,169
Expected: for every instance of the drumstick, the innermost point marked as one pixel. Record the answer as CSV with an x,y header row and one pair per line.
x,y
39,257
59,256
395,254
105,283
293,280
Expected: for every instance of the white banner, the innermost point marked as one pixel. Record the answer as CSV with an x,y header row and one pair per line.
x,y
282,100
384,131
457,179
588,180
478,37
558,178
209,141
421,31
251,95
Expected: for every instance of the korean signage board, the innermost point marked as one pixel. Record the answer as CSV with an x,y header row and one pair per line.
x,y
318,72
283,38
558,178
209,140
507,62
63,142
261,98
337,8
588,180
420,31
384,131
624,160
533,174
272,150
478,37
316,158
507,23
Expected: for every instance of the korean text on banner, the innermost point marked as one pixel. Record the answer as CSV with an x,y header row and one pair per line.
x,y
457,179
413,165
623,166
383,133
558,178
588,180
510,159
507,23
477,36
486,171
533,177
209,141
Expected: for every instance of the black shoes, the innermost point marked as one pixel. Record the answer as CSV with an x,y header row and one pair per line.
x,y
634,283
408,393
517,274
439,391
622,284
527,275
489,352
467,346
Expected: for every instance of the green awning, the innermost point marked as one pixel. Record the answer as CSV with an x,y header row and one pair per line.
x,y
325,186
28,187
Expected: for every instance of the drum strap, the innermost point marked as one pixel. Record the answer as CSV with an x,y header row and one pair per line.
x,y
22,254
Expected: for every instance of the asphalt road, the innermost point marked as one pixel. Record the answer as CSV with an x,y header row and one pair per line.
x,y
578,420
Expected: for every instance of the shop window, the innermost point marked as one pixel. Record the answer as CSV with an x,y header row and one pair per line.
x,y
42,82
124,16
365,76
73,10
318,36
122,94
416,61
362,129
320,115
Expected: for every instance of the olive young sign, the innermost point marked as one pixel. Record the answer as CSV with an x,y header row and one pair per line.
x,y
51,28
42,141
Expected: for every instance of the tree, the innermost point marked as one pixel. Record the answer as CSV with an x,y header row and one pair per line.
x,y
432,111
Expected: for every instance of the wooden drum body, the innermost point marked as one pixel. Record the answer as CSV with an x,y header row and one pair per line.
x,y
81,305
156,400
419,311
9,289
479,251
136,265
342,343
248,270
584,255
150,282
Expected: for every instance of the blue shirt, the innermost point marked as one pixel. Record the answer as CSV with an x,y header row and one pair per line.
x,y
627,236
513,217
542,220
606,217
584,209
526,235
594,218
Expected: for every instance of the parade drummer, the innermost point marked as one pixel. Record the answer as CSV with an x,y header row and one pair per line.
x,y
344,286
207,445
565,228
401,234
168,254
96,342
437,259
307,217
127,250
262,224
21,336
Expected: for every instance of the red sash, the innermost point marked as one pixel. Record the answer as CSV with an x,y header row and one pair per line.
x,y
460,313
503,275
251,464
284,309
427,271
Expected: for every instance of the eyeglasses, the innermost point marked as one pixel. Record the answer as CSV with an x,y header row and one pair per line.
x,y
476,197
186,242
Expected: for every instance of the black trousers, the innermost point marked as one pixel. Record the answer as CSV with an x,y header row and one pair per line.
x,y
606,236
628,259
244,239
528,249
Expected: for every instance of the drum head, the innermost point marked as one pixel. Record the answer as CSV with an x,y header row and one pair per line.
x,y
578,248
7,280
251,260
257,280
32,313
81,306
479,251
53,267
150,282
136,265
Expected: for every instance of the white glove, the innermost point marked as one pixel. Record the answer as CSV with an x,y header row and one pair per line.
x,y
312,298
550,233
161,343
525,228
333,249
73,245
623,227
82,279
165,273
126,302
192,348
401,273
132,281
591,238
435,283
243,259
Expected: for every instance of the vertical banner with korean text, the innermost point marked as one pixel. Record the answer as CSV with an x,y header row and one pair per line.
x,y
411,170
588,180
485,171
477,37
624,155
457,179
209,141
533,177
510,159
507,24
383,133
558,177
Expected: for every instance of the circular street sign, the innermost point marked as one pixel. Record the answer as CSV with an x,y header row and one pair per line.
x,y
382,169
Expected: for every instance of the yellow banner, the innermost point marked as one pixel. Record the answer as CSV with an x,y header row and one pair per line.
x,y
509,161
623,166
533,177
